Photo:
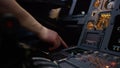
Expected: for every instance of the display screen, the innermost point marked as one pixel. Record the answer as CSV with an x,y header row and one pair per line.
x,y
91,40
82,6
114,43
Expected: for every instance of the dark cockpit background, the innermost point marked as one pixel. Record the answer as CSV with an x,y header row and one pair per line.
x,y
40,9
85,25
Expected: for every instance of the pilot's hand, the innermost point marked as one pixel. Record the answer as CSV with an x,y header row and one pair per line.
x,y
52,38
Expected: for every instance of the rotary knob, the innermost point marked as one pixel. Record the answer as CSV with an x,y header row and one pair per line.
x,y
110,5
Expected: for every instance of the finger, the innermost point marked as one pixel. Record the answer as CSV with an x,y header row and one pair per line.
x,y
62,42
56,44
52,48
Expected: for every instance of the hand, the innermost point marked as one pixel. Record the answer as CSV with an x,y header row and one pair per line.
x,y
52,37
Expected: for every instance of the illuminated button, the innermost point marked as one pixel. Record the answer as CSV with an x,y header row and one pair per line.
x,y
72,54
107,66
90,25
116,47
97,3
90,51
118,28
78,54
83,12
85,52
96,53
105,56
